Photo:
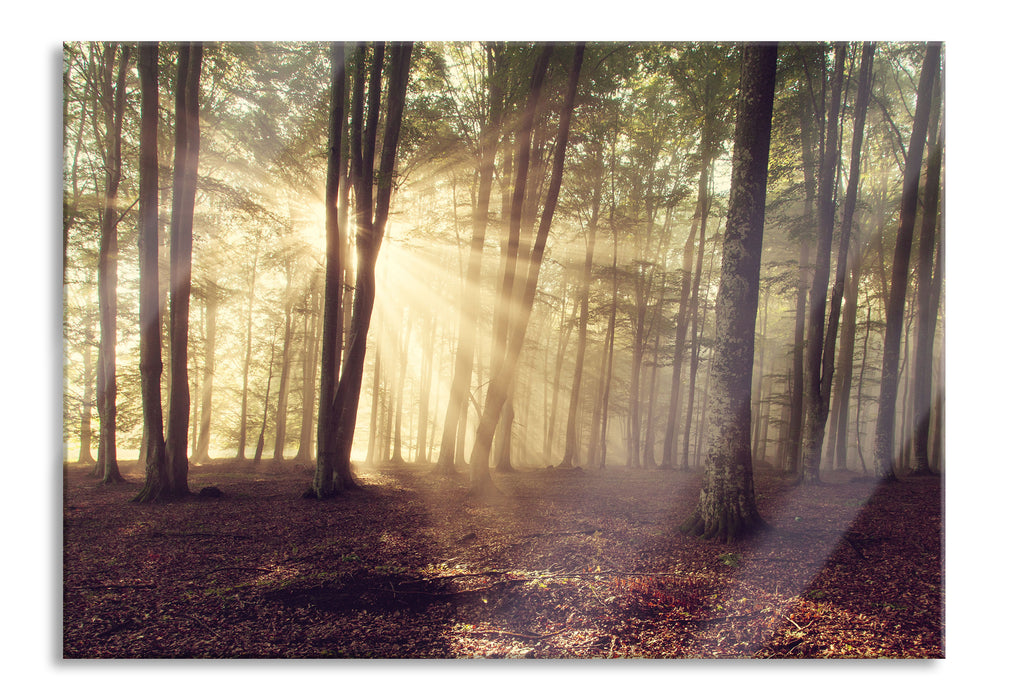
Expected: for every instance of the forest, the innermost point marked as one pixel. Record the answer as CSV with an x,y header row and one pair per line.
x,y
503,349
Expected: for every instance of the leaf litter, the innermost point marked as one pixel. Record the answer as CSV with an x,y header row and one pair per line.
x,y
565,564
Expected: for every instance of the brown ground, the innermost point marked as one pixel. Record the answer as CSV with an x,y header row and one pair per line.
x,y
567,564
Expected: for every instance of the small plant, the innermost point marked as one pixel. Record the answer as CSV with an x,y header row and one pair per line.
x,y
350,557
729,559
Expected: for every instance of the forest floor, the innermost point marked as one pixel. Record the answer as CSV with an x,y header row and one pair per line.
x,y
566,564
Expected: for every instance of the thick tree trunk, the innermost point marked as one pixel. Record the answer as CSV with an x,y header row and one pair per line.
x,y
154,458
187,149
883,444
727,506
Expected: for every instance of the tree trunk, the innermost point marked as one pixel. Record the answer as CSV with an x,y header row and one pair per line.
x,y
108,275
202,452
244,420
308,369
820,350
285,376
85,456
883,444
727,506
322,484
497,391
156,476
397,450
372,216
682,316
260,443
571,434
187,148
927,311
692,316
426,372
469,307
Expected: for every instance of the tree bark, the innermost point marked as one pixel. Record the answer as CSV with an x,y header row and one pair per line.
x,y
727,506
570,457
372,216
469,307
497,391
114,109
927,311
285,374
883,444
323,485
156,476
187,148
202,451
244,419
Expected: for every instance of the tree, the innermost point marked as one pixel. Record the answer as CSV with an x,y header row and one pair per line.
x,y
500,384
323,485
372,216
156,475
114,108
727,507
487,148
187,148
883,444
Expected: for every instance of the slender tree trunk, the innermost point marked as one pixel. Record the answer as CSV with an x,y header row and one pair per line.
x,y
692,311
373,455
480,481
260,443
727,507
927,311
571,433
108,275
323,485
497,391
371,229
838,443
244,420
308,374
470,305
815,407
682,316
285,377
397,452
154,458
187,148
883,444
202,452
85,456
426,372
